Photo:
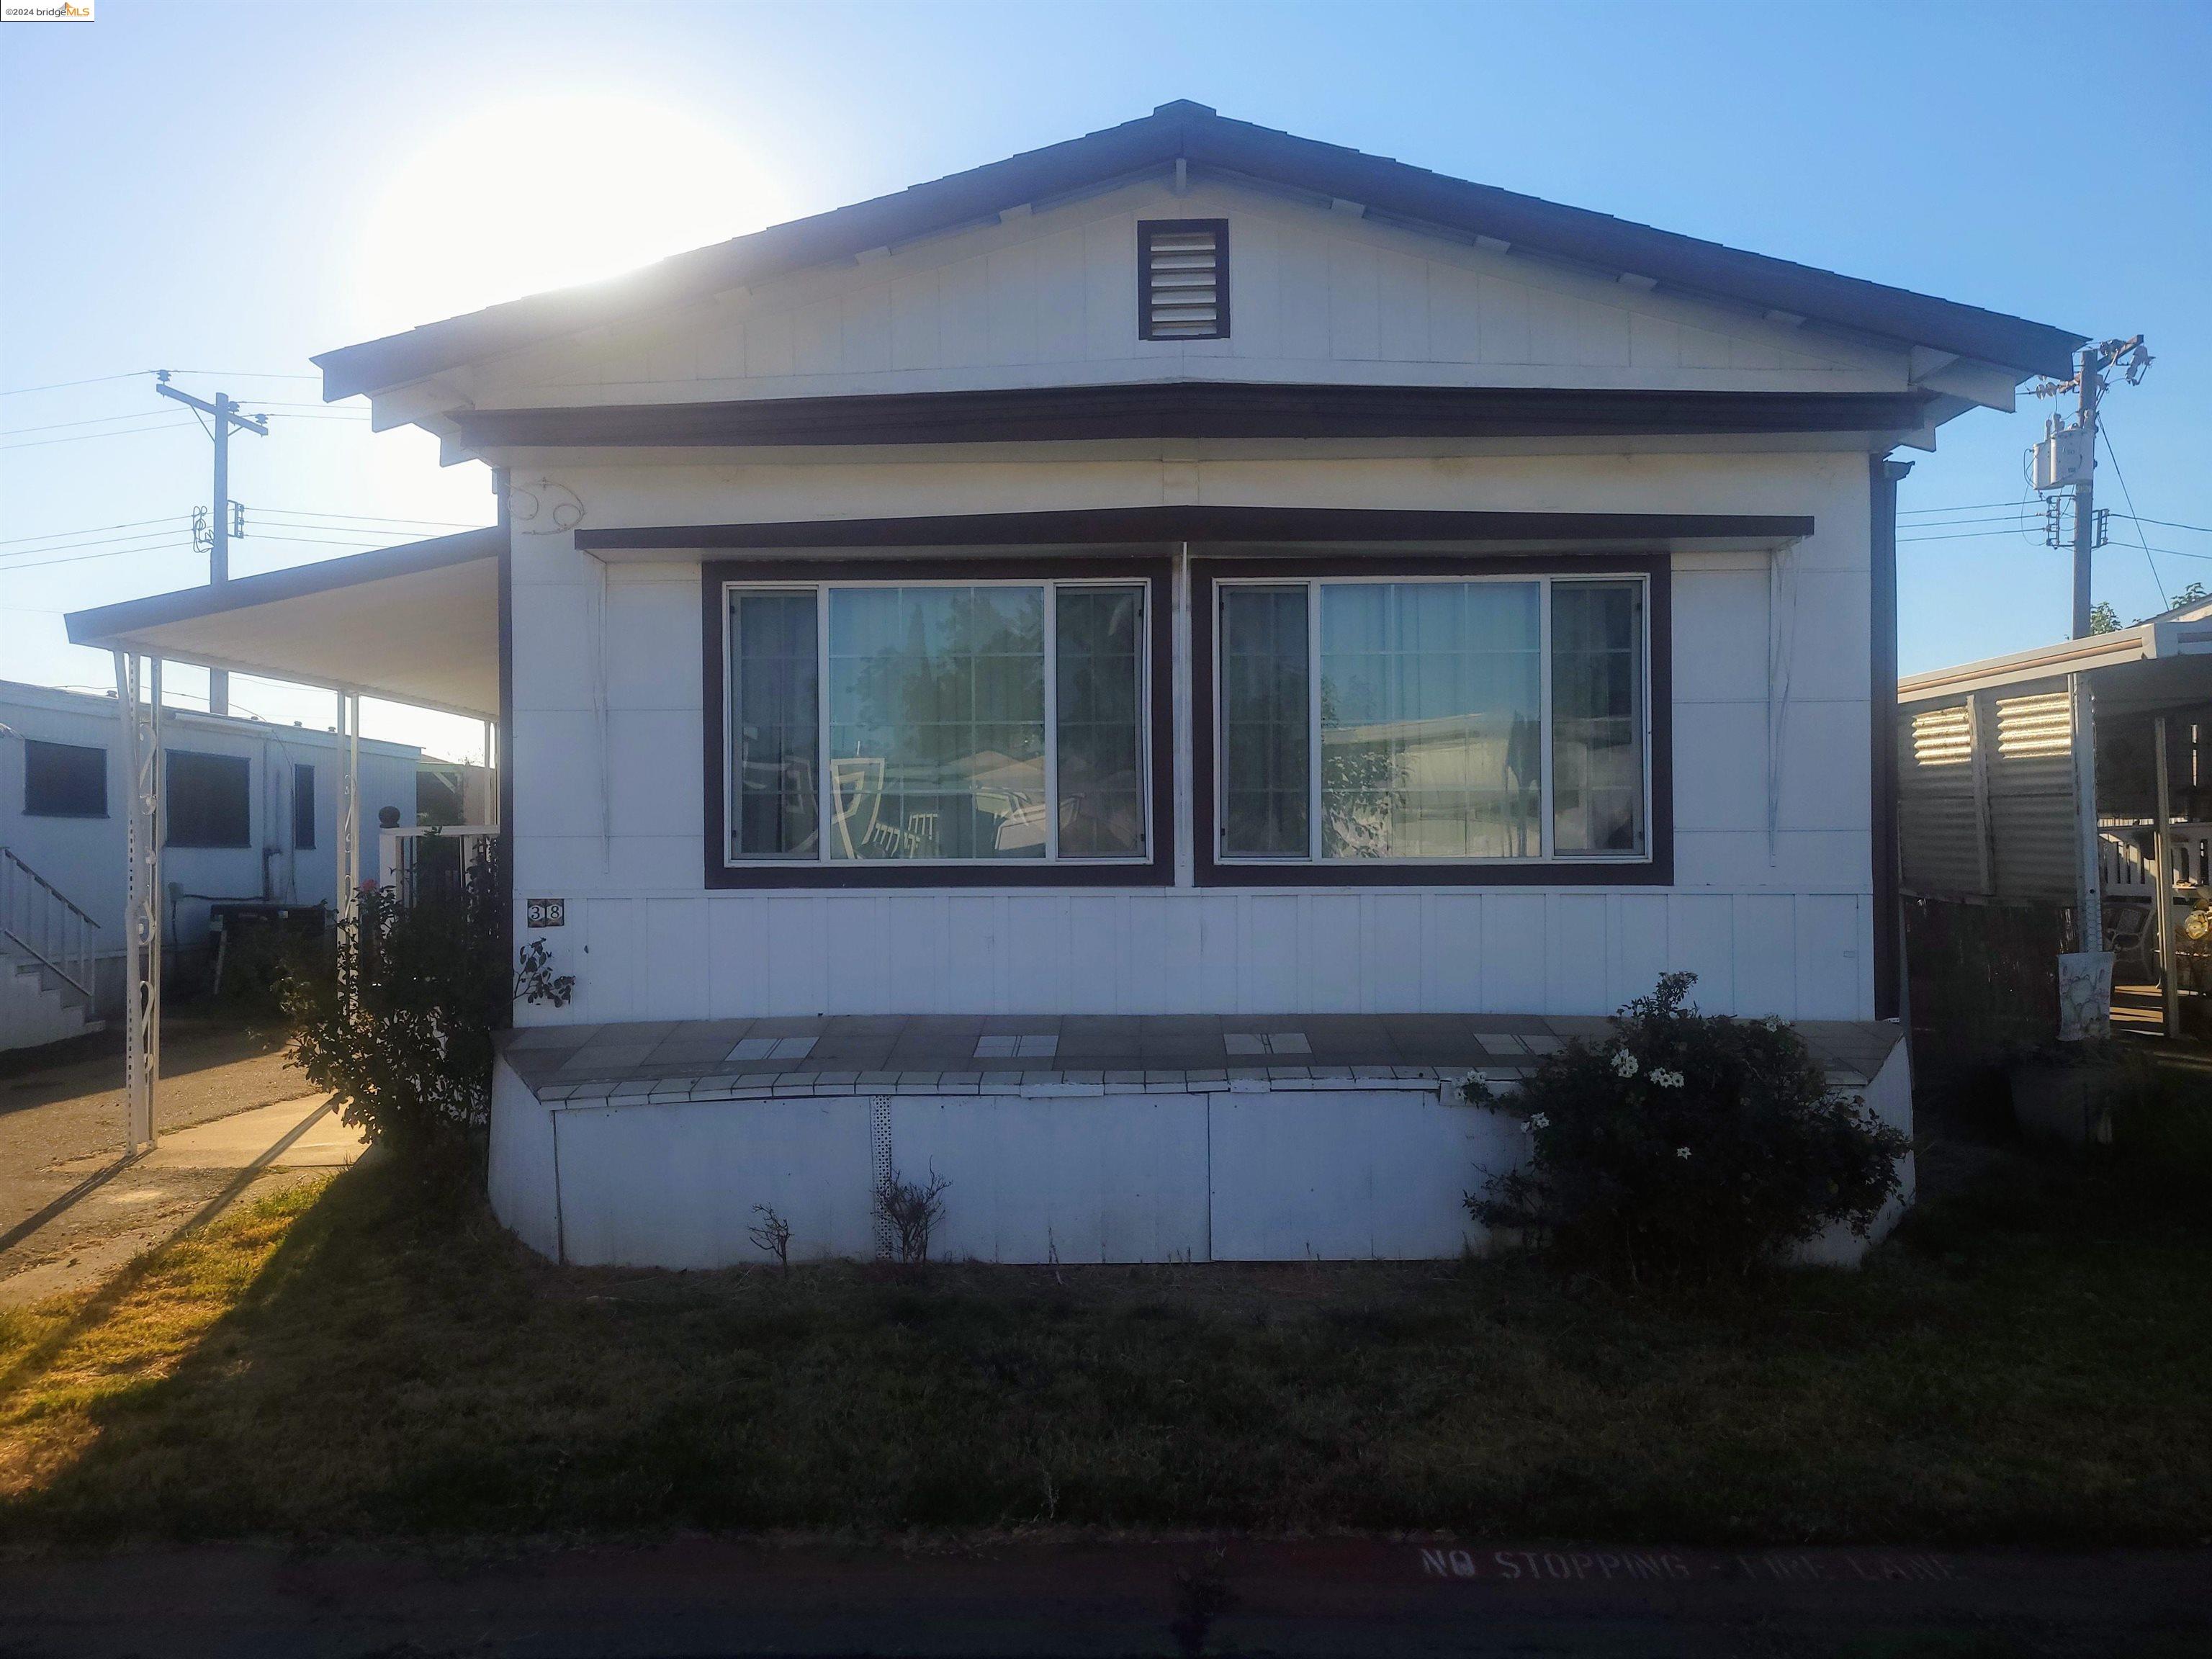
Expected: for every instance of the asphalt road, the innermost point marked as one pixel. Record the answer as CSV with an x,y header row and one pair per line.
x,y
699,1597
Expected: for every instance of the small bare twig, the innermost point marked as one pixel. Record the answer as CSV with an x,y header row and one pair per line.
x,y
773,1235
912,1209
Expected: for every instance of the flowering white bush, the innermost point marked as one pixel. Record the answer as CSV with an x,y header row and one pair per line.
x,y
1687,1144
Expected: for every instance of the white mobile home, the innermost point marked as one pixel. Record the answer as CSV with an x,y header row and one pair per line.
x,y
250,816
1120,675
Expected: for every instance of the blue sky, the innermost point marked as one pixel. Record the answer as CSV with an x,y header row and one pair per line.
x,y
232,187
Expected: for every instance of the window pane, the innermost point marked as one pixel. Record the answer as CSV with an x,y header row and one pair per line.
x,y
1432,743
1597,717
1264,758
208,801
303,808
936,723
1098,656
63,781
775,705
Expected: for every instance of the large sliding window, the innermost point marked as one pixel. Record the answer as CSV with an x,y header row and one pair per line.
x,y
937,722
1431,719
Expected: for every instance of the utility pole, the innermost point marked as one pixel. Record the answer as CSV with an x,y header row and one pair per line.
x,y
226,516
2067,459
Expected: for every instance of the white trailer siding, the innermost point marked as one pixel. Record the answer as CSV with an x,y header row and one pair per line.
x,y
1050,297
84,857
1771,903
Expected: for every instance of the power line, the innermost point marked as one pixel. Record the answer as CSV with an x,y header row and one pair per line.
x,y
11,561
58,426
2104,431
2163,524
158,424
1969,507
240,374
112,553
361,517
91,530
59,386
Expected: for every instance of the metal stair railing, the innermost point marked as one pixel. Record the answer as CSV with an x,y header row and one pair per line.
x,y
41,921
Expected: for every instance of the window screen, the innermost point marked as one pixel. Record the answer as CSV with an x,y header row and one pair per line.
x,y
63,781
208,803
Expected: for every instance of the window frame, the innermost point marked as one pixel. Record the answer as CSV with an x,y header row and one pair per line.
x,y
720,580
304,771
1146,229
1654,866
31,811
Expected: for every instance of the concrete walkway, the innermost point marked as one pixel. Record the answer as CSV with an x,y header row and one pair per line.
x,y
112,1210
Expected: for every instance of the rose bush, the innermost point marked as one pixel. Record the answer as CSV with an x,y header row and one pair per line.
x,y
1687,1144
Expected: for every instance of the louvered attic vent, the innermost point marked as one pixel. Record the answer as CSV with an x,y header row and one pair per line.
x,y
1182,279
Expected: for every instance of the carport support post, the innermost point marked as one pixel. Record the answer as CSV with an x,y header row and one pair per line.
x,y
141,917
349,848
2161,886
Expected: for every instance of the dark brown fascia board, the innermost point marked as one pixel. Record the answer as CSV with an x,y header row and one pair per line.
x,y
100,625
1194,133
1187,409
1279,526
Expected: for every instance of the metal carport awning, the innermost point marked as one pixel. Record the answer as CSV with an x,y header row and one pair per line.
x,y
417,624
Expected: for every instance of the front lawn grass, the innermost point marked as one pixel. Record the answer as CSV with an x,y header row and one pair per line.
x,y
2030,1361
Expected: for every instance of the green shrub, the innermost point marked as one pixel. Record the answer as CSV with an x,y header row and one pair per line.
x,y
1688,1144
397,1022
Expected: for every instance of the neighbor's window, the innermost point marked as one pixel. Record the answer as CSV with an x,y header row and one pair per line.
x,y
303,808
937,721
63,781
1410,720
209,800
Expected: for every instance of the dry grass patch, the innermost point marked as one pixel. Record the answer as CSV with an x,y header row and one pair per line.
x,y
2025,1365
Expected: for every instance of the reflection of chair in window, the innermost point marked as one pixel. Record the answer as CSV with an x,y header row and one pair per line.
x,y
856,805
916,839
1021,825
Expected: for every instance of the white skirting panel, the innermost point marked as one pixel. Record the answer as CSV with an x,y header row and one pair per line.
x,y
1801,956
1234,1176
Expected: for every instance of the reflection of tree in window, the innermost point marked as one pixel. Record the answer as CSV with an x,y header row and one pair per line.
x,y
1429,700
1097,652
945,687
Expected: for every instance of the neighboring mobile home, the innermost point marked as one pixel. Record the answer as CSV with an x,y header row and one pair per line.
x,y
1121,675
250,813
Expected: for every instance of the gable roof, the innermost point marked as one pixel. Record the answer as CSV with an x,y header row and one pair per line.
x,y
1196,135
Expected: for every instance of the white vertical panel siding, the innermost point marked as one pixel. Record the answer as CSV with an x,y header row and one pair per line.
x,y
1562,952
1779,924
1052,298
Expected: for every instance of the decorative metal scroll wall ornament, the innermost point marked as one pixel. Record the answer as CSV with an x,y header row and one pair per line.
x,y
539,506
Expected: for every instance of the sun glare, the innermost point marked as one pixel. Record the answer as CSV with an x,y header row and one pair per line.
x,y
520,197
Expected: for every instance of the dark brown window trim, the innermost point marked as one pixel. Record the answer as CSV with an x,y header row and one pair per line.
x,y
1158,872
1121,525
1147,229
1187,409
1657,871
